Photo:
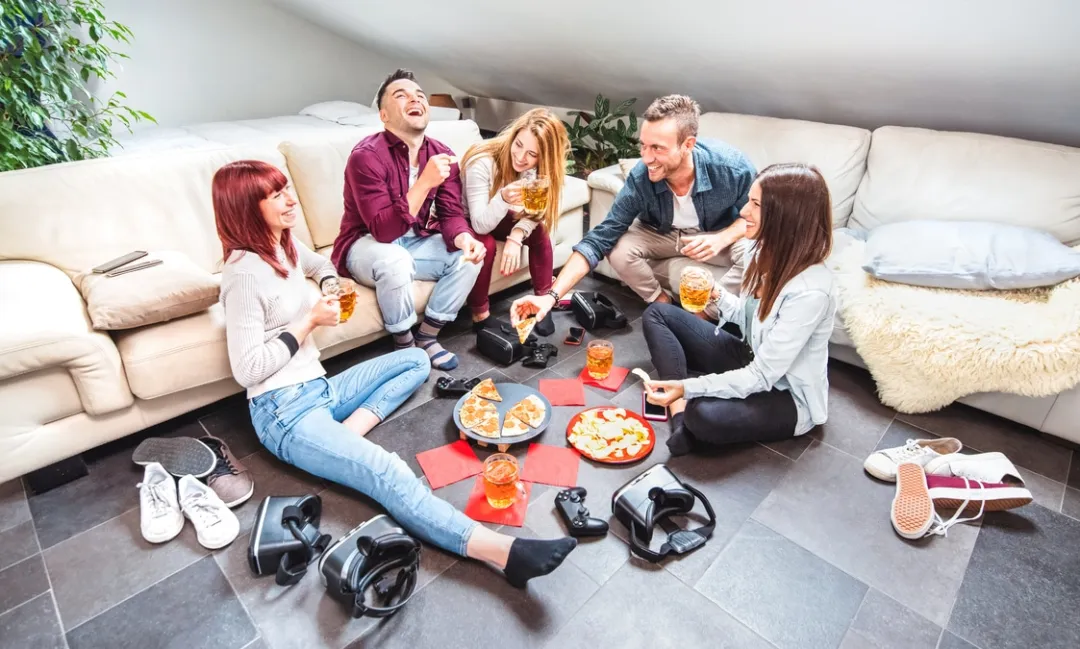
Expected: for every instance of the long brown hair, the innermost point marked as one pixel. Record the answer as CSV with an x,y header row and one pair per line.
x,y
554,143
238,188
795,230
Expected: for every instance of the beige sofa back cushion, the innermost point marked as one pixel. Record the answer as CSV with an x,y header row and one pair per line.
x,y
921,174
838,151
78,215
318,171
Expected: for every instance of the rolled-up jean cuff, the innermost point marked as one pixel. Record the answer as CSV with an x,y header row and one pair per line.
x,y
464,549
402,326
373,409
441,317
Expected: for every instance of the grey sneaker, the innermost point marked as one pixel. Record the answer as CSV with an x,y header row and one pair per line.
x,y
230,480
179,455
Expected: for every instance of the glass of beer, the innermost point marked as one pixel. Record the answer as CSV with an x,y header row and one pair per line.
x,y
534,195
346,292
501,485
695,287
599,357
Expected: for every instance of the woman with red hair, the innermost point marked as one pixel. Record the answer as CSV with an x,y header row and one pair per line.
x,y
318,423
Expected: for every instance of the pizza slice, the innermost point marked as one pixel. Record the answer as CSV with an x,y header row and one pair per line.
x,y
488,426
524,328
474,409
530,410
487,389
512,427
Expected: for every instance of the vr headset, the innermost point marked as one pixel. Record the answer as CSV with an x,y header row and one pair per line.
x,y
376,554
286,537
651,499
594,310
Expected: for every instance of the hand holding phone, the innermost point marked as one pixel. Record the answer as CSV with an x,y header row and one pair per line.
x,y
651,411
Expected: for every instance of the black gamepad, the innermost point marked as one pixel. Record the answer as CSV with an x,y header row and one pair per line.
x,y
449,387
539,354
571,505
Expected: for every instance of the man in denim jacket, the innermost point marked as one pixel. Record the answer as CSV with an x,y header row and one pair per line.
x,y
682,199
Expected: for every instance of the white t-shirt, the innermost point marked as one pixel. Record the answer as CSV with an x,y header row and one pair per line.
x,y
414,173
686,215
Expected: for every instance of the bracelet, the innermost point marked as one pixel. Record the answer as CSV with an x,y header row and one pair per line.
x,y
556,296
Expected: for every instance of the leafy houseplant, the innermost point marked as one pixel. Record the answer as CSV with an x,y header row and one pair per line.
x,y
600,139
49,51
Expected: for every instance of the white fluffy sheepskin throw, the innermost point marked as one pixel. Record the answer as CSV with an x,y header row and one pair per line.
x,y
927,347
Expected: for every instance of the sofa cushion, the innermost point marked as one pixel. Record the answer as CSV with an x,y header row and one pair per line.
x,y
172,289
916,174
838,151
575,194
69,215
318,171
968,255
177,355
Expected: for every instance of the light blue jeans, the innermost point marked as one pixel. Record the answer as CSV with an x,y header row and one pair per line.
x,y
301,425
390,269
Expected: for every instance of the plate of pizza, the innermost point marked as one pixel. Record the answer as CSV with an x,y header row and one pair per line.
x,y
502,413
611,435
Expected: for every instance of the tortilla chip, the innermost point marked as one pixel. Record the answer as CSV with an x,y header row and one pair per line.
x,y
487,389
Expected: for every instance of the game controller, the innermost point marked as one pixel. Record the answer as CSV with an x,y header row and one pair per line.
x,y
448,387
571,505
538,355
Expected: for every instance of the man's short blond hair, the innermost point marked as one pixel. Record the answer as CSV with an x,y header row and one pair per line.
x,y
684,110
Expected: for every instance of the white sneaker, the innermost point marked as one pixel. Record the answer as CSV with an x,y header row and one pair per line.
x,y
160,516
984,467
882,464
215,525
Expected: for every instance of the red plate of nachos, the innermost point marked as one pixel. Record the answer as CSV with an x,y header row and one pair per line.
x,y
611,435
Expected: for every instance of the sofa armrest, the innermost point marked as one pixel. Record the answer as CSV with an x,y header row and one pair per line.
x,y
607,179
45,325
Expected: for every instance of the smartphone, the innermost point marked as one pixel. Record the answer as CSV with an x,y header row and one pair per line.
x,y
577,334
120,261
132,269
651,411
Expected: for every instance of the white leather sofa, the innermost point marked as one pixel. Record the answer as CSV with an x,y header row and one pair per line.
x,y
66,388
897,174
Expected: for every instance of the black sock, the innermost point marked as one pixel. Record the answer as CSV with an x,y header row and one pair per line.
x,y
535,557
477,325
680,442
545,327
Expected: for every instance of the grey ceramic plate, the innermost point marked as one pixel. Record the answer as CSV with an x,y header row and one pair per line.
x,y
511,393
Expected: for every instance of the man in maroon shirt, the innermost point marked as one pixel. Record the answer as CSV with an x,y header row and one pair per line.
x,y
401,190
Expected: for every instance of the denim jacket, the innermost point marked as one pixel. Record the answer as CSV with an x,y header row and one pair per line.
x,y
722,179
791,347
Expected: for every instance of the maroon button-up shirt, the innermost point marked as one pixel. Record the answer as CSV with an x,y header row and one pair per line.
x,y
376,201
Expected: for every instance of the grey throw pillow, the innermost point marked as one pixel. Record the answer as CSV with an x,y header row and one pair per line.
x,y
968,255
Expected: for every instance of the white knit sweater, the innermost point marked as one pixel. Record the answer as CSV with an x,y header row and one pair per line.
x,y
484,213
259,306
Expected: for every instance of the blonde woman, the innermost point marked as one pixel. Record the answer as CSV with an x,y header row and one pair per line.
x,y
493,170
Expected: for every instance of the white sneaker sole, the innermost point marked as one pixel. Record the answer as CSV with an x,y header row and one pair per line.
x,y
912,508
243,499
875,472
997,499
164,537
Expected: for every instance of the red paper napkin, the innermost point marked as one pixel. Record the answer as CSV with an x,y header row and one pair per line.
x,y
553,465
563,392
449,464
478,508
612,382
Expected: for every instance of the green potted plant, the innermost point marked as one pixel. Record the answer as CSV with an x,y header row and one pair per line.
x,y
49,52
600,139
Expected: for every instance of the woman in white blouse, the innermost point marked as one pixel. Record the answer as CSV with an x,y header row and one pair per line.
x,y
493,170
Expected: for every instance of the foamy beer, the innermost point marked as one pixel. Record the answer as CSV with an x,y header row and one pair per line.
x,y
695,286
534,195
346,293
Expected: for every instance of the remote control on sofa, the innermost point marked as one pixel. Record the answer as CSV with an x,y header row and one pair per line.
x,y
571,505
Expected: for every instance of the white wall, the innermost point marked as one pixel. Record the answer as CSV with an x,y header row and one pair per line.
x,y
995,66
210,60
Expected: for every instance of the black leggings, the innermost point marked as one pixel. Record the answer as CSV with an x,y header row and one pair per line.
x,y
680,342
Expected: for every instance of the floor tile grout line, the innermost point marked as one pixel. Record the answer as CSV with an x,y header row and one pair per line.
x,y
89,529
22,604
143,590
236,594
52,591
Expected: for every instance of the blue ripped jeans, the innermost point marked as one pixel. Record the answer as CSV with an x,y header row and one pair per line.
x,y
301,425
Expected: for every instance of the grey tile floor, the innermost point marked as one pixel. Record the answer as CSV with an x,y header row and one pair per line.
x,y
803,555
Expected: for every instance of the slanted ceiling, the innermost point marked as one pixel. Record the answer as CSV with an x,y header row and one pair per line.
x,y
993,66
